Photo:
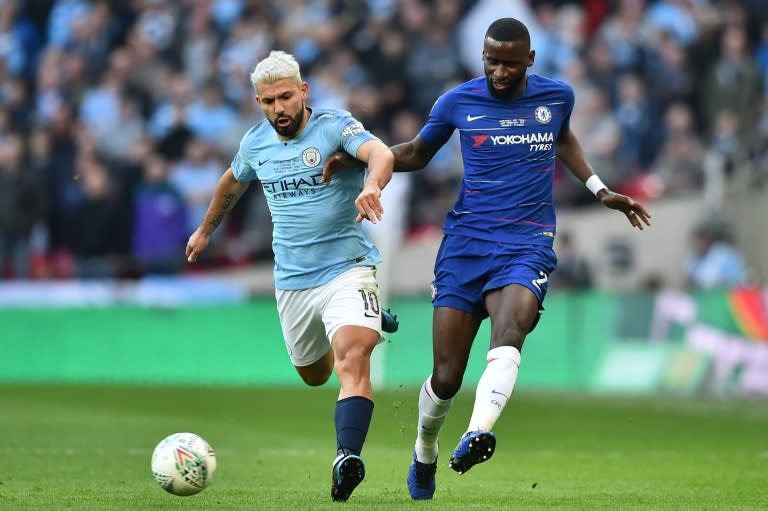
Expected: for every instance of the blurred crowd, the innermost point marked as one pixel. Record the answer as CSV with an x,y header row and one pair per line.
x,y
118,117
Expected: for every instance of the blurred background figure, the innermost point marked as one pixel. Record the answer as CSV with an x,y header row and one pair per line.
x,y
95,232
573,271
714,262
160,223
22,207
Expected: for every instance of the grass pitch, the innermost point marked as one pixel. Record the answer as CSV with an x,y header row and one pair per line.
x,y
88,448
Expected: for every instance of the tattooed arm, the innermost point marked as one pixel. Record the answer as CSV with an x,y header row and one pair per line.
x,y
227,192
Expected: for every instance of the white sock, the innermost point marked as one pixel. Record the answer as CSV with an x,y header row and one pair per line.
x,y
495,387
432,414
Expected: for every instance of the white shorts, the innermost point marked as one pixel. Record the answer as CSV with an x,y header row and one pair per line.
x,y
311,317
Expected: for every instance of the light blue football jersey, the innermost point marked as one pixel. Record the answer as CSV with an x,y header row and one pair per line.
x,y
315,236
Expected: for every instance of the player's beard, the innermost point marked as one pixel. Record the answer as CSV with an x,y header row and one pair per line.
x,y
505,93
290,130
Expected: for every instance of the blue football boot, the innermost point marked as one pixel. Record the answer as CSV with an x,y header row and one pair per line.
x,y
421,479
474,447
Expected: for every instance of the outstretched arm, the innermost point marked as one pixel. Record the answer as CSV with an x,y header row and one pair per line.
x,y
227,193
379,159
569,151
413,155
409,156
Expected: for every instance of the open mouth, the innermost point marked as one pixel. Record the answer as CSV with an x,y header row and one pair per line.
x,y
283,122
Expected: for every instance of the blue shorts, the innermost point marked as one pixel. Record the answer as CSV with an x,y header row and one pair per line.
x,y
466,269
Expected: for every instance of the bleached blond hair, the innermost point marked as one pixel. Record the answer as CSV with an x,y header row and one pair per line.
x,y
276,66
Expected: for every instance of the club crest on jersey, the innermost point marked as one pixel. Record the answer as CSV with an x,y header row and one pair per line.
x,y
542,114
311,157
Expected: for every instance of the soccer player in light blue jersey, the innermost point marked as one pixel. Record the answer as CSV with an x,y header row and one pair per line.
x,y
496,255
325,275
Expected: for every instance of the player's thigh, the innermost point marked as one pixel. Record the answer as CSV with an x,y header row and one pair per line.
x,y
301,319
514,311
453,332
515,294
352,313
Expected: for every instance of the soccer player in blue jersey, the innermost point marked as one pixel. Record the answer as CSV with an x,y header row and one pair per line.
x,y
496,256
325,276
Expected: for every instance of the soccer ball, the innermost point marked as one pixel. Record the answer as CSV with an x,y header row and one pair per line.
x,y
183,464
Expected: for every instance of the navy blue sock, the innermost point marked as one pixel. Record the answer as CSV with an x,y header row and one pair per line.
x,y
352,418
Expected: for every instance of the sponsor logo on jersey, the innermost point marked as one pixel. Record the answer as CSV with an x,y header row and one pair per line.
x,y
311,157
352,129
542,114
532,139
292,187
471,118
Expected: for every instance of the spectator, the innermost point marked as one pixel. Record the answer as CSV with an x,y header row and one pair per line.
x,y
680,164
160,221
196,176
733,83
572,271
94,225
22,206
714,262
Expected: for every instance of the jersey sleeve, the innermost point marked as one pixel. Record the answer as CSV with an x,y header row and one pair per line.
x,y
352,132
439,126
570,100
241,169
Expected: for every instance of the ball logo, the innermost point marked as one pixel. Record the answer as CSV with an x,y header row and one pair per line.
x,y
311,157
542,114
434,291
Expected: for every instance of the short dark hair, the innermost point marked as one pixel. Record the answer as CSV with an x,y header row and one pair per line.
x,y
508,30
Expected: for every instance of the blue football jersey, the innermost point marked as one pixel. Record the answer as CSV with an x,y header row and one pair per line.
x,y
508,149
315,236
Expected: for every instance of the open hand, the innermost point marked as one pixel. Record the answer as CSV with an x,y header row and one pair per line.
x,y
635,212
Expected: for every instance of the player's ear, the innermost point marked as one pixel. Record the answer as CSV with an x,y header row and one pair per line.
x,y
531,57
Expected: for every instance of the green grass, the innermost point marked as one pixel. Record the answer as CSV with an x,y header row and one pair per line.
x,y
88,448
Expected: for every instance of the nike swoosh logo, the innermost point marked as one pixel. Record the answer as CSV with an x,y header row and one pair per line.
x,y
471,118
494,391
262,162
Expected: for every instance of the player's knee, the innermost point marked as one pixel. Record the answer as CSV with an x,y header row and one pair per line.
x,y
353,357
509,334
446,381
314,377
